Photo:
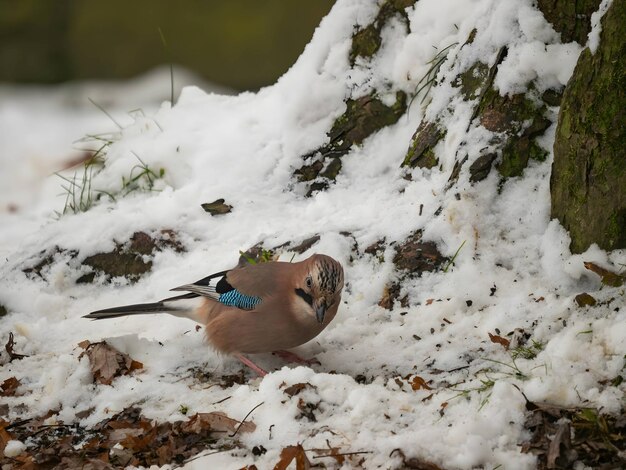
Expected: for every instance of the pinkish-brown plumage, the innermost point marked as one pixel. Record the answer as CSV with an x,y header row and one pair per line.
x,y
273,306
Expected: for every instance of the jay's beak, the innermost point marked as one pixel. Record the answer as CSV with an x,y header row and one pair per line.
x,y
320,311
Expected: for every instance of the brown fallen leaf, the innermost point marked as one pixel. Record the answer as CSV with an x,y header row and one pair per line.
x,y
297,388
499,340
139,441
217,207
9,386
584,300
608,278
9,349
336,454
418,383
560,452
293,452
127,438
5,436
215,421
107,362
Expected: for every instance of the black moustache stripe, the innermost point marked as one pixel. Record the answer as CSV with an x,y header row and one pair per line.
x,y
306,297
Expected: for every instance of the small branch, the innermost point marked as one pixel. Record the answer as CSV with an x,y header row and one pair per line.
x,y
244,420
222,400
342,454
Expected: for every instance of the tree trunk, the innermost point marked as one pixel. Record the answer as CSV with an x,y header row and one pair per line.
x,y
589,169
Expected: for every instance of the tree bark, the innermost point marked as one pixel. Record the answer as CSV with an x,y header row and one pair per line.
x,y
589,170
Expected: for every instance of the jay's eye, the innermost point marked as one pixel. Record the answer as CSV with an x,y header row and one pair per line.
x,y
309,282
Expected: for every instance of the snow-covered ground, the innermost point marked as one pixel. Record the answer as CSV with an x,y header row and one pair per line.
x,y
514,271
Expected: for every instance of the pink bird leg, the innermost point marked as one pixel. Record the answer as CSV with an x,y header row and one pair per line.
x,y
243,359
293,357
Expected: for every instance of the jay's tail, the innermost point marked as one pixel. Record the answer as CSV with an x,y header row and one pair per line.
x,y
172,305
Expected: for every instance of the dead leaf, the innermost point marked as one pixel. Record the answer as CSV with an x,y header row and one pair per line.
x,y
293,452
418,383
335,454
217,422
584,300
429,301
9,386
499,340
217,207
127,438
414,462
560,449
107,362
9,349
5,436
307,410
139,441
120,434
608,278
296,388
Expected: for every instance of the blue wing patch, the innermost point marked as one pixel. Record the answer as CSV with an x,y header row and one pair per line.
x,y
234,298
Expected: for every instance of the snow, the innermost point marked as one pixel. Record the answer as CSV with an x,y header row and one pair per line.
x,y
244,149
593,40
14,448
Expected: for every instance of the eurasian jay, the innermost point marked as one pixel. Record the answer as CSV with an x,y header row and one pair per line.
x,y
255,308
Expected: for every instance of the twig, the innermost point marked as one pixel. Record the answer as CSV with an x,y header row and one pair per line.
x,y
222,400
200,455
342,454
244,420
17,424
45,427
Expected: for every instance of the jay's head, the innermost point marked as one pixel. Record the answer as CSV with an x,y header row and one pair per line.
x,y
321,285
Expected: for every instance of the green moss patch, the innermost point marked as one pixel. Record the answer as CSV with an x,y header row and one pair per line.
x,y
366,41
421,151
130,259
589,169
571,19
473,80
362,118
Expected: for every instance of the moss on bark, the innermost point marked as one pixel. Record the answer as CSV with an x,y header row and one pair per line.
x,y
570,18
589,169
421,151
362,118
366,41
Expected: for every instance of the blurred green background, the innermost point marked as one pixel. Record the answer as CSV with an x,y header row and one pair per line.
x,y
241,44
